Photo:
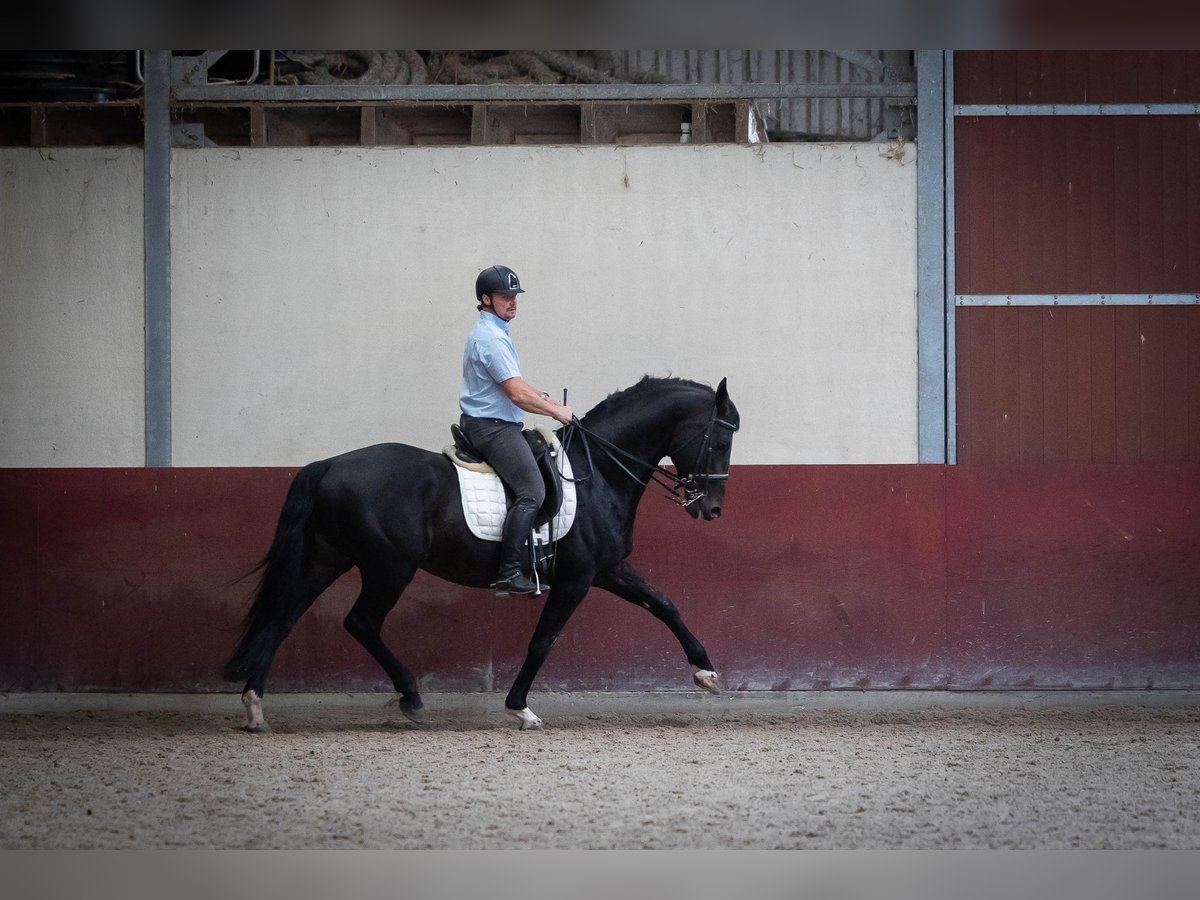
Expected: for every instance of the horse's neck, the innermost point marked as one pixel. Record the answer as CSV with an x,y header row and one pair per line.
x,y
646,433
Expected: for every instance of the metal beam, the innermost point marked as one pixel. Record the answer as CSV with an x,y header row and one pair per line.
x,y
951,265
1078,109
931,258
1076,299
451,93
157,257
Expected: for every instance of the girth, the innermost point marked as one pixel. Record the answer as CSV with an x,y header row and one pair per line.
x,y
468,456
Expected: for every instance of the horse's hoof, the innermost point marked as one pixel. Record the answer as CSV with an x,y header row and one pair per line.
x,y
413,710
529,722
259,728
707,680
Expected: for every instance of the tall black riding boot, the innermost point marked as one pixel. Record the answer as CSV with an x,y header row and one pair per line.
x,y
511,580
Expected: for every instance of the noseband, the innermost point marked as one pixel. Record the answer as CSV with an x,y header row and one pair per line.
x,y
684,490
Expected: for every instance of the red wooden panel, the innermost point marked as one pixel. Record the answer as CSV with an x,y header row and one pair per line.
x,y
1044,564
1077,76
817,576
1077,205
1104,385
1031,367
1078,384
18,566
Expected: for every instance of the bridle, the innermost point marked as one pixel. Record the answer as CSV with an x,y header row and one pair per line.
x,y
682,490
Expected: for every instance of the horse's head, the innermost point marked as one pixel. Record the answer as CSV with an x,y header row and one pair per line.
x,y
700,450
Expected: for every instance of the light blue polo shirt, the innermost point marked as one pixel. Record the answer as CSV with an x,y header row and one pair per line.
x,y
488,359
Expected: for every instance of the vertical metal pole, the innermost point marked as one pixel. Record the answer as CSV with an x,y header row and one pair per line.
x,y
951,354
931,258
157,249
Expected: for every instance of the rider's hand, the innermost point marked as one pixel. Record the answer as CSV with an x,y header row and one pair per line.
x,y
564,415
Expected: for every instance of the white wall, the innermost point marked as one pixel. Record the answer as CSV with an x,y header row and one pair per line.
x,y
71,347
321,297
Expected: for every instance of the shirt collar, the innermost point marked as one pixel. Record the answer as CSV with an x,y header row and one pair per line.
x,y
496,320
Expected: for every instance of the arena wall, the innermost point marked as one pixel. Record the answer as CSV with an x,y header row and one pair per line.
x,y
816,577
320,296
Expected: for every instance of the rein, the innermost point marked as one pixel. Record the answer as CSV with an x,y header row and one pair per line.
x,y
683,491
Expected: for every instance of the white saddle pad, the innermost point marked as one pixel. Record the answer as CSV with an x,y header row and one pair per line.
x,y
484,504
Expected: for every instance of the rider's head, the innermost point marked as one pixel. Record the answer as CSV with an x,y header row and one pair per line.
x,y
496,280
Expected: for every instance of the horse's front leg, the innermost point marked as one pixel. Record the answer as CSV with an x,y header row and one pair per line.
x,y
624,581
564,599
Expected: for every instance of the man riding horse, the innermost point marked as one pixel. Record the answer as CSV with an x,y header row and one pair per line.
x,y
492,400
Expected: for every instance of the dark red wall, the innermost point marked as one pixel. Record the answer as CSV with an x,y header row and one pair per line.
x,y
817,576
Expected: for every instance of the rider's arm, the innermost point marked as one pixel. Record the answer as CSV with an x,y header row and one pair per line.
x,y
526,396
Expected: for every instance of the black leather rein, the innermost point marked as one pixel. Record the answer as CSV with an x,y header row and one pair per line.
x,y
684,490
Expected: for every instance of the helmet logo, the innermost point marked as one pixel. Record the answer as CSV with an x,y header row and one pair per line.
x,y
513,284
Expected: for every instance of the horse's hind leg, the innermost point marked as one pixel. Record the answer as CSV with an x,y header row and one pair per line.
x,y
627,584
382,586
269,634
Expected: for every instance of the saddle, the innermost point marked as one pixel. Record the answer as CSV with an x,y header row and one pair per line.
x,y
478,483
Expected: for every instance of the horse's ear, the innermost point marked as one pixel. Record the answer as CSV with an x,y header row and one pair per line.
x,y
722,393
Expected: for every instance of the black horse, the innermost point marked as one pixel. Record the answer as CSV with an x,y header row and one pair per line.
x,y
391,509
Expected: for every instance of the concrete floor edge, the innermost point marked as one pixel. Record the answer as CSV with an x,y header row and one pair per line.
x,y
599,702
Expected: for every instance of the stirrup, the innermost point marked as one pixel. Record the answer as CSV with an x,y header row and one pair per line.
x,y
505,587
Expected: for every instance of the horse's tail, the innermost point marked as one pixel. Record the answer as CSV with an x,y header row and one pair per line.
x,y
271,615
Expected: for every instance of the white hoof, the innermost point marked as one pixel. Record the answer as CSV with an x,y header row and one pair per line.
x,y
414,714
529,722
707,680
255,723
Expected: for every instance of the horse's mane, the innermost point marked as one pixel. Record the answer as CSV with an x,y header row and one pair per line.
x,y
649,386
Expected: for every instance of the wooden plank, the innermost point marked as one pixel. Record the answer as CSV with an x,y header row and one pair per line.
x,y
1152,383
1127,341
480,124
1053,136
368,128
1020,203
1055,385
1126,279
1104,386
1193,385
258,125
1004,77
700,133
1007,391
741,119
1174,203
1150,203
38,136
1030,365
587,122
1101,214
1077,192
1175,384
963,384
1079,385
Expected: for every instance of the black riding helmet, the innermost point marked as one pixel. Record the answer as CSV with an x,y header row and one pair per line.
x,y
497,280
